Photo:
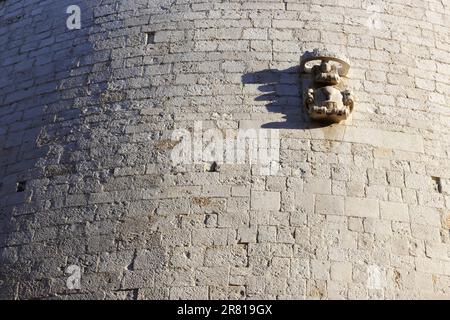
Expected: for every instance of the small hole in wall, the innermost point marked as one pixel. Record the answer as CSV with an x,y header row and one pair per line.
x,y
437,184
21,186
212,167
150,38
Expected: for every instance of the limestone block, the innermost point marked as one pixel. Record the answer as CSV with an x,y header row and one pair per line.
x,y
183,257
425,216
212,276
247,235
265,200
267,234
394,211
320,270
235,256
341,271
189,293
318,186
285,235
385,139
361,207
329,205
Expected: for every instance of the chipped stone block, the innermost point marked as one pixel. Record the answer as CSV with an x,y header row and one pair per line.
x,y
247,235
267,234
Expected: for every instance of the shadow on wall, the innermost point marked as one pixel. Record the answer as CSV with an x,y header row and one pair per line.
x,y
282,91
38,89
60,132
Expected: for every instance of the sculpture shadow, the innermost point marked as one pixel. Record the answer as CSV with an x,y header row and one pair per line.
x,y
282,92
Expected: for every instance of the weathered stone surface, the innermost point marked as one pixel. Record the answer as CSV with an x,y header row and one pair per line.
x,y
357,210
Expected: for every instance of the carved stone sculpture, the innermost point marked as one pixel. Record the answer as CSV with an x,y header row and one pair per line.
x,y
326,97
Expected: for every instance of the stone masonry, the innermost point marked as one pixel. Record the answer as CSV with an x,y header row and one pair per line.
x,y
358,210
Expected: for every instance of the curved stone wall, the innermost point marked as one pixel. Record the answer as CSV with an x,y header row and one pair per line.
x,y
89,181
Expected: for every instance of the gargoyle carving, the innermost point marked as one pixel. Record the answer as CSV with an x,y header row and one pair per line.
x,y
326,97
